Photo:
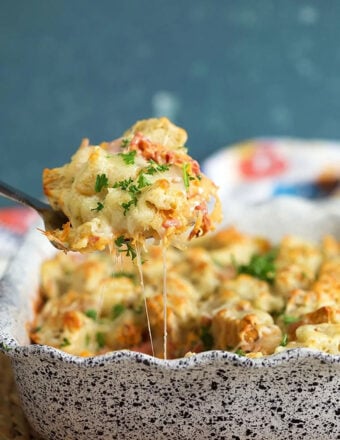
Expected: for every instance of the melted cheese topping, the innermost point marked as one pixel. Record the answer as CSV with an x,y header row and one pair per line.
x,y
89,307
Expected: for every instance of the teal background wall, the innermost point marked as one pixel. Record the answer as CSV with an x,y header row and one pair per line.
x,y
225,70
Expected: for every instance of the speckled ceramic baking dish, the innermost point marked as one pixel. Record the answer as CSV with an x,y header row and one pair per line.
x,y
126,395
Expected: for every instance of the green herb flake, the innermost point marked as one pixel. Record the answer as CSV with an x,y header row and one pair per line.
x,y
125,143
129,158
37,329
185,174
163,167
287,319
129,275
120,241
100,338
133,189
91,313
240,352
123,184
260,266
207,338
117,310
66,342
127,205
142,181
101,182
154,168
284,340
87,340
129,250
99,207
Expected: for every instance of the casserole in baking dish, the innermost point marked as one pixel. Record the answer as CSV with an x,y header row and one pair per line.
x,y
213,394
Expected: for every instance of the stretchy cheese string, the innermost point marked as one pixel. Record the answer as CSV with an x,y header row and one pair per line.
x,y
141,280
165,305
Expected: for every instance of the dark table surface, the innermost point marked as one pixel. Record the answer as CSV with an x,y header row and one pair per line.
x,y
225,70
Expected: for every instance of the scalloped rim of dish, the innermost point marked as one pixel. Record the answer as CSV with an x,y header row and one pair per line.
x,y
14,350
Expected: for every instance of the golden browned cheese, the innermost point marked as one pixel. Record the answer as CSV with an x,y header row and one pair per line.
x,y
297,264
143,185
253,331
217,298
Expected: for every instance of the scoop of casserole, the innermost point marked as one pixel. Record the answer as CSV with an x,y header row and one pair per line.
x,y
140,186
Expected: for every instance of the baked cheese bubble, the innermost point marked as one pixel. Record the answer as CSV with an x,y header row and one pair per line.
x,y
142,185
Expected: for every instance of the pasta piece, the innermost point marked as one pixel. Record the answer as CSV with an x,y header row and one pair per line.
x,y
297,264
323,315
302,301
253,331
230,246
256,291
66,330
323,337
126,330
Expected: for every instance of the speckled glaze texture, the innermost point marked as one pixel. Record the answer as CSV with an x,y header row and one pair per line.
x,y
212,395
126,395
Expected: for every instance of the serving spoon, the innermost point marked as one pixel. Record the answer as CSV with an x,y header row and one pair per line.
x,y
52,219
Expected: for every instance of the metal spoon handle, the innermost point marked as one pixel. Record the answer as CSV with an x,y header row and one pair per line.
x,y
19,196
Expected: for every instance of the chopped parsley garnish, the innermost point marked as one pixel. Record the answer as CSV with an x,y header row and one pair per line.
x,y
66,342
133,189
101,182
129,275
240,352
123,184
185,173
127,205
284,340
128,158
117,310
100,338
287,319
125,143
120,241
260,266
37,329
91,313
99,207
142,181
134,192
154,168
207,338
129,250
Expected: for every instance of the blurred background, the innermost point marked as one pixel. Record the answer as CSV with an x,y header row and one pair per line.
x,y
224,70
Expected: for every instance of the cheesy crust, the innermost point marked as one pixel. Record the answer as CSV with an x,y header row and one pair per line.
x,y
219,296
